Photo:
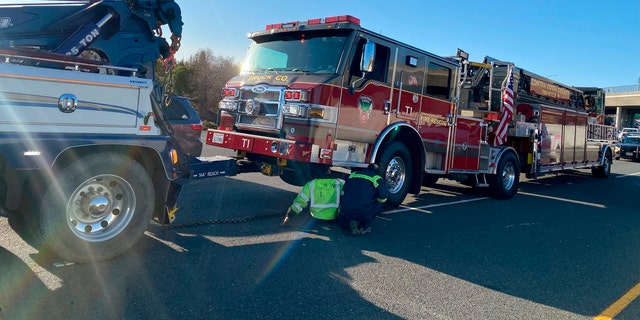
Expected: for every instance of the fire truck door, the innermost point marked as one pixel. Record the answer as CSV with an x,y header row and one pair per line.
x,y
437,110
466,148
407,89
362,112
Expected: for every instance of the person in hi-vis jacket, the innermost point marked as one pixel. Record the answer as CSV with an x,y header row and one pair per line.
x,y
322,196
363,195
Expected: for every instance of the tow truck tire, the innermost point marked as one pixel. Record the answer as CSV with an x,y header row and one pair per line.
x,y
395,168
504,184
96,208
604,170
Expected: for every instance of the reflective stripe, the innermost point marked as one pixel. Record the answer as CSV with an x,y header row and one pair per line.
x,y
325,205
373,179
304,195
296,208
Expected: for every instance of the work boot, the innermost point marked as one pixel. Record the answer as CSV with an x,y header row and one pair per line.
x,y
355,228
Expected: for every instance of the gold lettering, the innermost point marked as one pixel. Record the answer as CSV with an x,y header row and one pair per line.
x,y
262,77
434,119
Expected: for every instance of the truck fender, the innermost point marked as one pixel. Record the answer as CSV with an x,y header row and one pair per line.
x,y
606,148
497,153
401,131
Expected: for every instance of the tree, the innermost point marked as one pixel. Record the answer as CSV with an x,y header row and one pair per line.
x,y
207,76
201,78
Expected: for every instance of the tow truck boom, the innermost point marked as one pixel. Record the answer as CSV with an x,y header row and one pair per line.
x,y
121,33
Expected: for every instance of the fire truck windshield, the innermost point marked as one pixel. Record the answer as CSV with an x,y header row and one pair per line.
x,y
300,52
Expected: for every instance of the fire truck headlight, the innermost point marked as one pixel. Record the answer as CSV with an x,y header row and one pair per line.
x,y
295,110
228,105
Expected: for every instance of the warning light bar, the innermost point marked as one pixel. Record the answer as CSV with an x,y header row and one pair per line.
x,y
315,21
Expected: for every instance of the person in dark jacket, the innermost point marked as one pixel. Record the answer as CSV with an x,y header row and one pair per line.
x,y
363,195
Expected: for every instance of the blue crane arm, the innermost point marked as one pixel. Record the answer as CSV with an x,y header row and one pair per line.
x,y
124,33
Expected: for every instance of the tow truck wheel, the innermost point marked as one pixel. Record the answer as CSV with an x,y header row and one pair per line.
x,y
97,208
395,166
604,170
504,184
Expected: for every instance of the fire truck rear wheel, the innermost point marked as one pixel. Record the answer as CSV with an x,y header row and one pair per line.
x,y
395,168
504,184
604,170
97,208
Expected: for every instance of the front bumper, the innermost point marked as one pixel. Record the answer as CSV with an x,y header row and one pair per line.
x,y
265,146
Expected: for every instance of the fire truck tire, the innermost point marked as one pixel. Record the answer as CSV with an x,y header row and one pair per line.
x,y
395,168
504,184
96,208
604,170
298,175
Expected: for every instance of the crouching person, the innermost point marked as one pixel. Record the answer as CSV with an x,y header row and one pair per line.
x,y
363,195
322,196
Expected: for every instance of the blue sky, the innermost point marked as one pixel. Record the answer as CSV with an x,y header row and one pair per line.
x,y
579,43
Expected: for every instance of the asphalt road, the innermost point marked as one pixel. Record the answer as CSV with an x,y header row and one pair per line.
x,y
566,247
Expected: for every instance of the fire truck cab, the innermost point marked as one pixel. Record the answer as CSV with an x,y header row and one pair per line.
x,y
326,92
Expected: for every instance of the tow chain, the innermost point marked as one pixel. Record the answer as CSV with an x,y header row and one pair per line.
x,y
223,221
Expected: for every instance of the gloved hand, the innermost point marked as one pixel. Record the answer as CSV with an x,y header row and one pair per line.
x,y
286,218
284,222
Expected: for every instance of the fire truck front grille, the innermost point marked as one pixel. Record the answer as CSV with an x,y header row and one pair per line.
x,y
262,108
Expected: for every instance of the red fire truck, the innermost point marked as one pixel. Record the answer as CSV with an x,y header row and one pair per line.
x,y
326,92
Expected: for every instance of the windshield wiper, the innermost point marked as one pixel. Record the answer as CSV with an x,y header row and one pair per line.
x,y
277,70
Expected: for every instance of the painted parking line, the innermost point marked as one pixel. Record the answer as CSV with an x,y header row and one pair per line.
x,y
591,204
628,175
422,208
617,307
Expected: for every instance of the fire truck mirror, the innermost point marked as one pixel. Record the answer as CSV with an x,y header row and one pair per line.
x,y
368,56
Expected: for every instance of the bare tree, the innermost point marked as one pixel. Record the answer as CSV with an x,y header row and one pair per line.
x,y
201,78
208,75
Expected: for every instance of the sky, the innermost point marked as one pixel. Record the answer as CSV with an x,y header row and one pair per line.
x,y
578,43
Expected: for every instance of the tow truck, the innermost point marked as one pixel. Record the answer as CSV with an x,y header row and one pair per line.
x,y
87,158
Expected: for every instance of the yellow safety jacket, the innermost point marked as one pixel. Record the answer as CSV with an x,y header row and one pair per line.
x,y
322,196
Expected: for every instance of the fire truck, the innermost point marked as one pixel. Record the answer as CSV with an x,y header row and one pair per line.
x,y
326,92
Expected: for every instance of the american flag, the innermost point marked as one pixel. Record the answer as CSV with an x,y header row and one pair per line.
x,y
507,112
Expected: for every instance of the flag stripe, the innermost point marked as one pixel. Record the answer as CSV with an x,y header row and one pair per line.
x,y
507,111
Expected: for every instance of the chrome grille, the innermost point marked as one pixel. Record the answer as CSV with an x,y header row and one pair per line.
x,y
268,100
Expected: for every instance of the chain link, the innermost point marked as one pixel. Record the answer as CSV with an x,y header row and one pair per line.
x,y
223,221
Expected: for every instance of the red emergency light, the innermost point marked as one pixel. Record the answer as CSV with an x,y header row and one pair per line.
x,y
315,21
229,92
295,95
345,18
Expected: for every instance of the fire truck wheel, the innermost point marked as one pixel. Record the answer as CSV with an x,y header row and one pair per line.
x,y
395,168
97,208
604,170
504,184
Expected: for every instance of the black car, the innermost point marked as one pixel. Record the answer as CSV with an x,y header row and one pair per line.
x,y
186,124
629,148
